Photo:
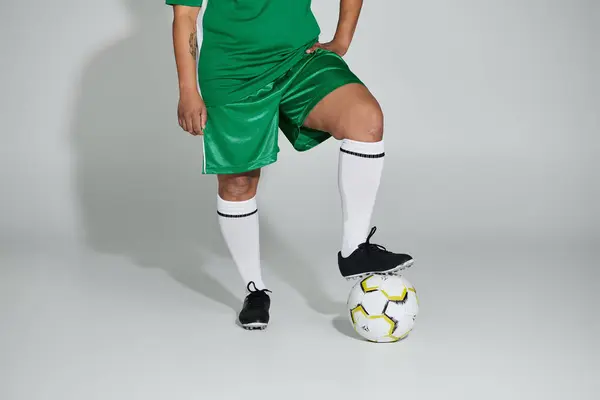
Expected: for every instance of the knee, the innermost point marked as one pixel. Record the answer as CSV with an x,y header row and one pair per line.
x,y
373,123
237,187
364,123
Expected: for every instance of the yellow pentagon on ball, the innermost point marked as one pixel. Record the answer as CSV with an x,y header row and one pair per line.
x,y
399,297
368,284
359,311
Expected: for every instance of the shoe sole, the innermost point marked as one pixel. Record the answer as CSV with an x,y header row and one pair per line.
x,y
392,271
253,326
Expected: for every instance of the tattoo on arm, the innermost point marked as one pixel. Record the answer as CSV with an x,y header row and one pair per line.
x,y
194,44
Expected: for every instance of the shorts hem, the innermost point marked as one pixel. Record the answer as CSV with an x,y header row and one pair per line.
x,y
237,169
312,143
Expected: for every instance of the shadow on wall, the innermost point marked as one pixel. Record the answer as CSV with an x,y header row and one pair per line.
x,y
140,189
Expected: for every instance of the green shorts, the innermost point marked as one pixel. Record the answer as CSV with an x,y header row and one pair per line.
x,y
243,136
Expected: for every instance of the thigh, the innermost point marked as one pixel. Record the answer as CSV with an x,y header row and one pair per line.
x,y
242,136
345,112
308,83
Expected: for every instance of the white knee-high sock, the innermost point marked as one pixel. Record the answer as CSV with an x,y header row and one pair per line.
x,y
239,226
359,173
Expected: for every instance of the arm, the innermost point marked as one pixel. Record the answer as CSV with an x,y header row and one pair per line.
x,y
191,111
349,13
346,26
185,45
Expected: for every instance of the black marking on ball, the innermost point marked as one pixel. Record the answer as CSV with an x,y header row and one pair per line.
x,y
387,303
394,320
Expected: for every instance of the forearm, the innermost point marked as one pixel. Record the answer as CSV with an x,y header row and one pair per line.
x,y
185,45
348,19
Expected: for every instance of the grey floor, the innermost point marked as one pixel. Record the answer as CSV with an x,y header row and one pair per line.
x,y
498,320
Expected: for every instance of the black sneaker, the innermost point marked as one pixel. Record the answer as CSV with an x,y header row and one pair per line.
x,y
255,311
371,259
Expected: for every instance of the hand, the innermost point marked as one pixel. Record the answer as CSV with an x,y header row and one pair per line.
x,y
335,46
191,112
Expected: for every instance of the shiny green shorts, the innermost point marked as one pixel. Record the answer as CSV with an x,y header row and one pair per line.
x,y
242,136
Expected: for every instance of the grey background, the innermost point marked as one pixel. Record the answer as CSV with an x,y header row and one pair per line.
x,y
114,280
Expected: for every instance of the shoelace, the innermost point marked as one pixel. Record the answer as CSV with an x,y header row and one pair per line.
x,y
255,288
368,246
254,292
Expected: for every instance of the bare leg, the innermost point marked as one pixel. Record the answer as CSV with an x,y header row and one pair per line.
x,y
238,187
350,112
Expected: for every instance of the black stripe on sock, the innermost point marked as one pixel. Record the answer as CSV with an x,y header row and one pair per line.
x,y
238,215
352,153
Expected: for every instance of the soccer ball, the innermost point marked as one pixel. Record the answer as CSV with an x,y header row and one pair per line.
x,y
383,308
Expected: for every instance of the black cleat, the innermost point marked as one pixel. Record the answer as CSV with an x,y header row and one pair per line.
x,y
371,259
255,311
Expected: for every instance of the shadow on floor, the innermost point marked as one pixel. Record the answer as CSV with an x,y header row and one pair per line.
x,y
343,326
138,175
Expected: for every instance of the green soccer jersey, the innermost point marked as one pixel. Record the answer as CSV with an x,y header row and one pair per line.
x,y
245,44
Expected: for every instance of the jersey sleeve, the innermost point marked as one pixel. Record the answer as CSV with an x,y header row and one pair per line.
x,y
189,3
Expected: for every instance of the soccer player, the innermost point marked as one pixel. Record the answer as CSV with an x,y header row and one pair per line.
x,y
258,67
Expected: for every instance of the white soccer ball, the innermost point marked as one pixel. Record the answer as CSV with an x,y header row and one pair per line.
x,y
383,308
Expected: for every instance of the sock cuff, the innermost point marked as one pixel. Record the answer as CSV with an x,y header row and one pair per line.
x,y
236,209
363,149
